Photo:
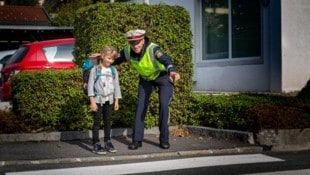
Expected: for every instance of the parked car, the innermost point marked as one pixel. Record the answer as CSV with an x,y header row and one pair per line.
x,y
4,57
3,61
6,52
49,54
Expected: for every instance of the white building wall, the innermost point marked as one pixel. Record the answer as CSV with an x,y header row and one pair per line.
x,y
295,44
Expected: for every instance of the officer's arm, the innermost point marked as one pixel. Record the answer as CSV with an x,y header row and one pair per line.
x,y
121,58
164,59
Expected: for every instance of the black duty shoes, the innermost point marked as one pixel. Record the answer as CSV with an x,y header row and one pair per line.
x,y
165,145
135,145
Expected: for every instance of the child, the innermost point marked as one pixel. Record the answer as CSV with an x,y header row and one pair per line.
x,y
104,91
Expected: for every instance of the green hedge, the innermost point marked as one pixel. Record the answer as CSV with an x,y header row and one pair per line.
x,y
53,100
169,26
50,99
249,112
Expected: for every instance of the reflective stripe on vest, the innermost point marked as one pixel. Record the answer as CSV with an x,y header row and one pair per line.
x,y
148,67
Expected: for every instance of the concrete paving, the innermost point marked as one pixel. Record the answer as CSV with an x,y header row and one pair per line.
x,y
69,147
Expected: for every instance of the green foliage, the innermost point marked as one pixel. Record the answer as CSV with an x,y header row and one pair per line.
x,y
268,116
10,123
169,26
53,100
50,98
227,111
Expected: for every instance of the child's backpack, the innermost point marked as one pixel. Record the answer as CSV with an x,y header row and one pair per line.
x,y
86,67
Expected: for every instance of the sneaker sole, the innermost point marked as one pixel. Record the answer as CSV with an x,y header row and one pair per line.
x,y
112,151
100,153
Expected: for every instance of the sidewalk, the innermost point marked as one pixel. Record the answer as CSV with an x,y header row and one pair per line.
x,y
65,148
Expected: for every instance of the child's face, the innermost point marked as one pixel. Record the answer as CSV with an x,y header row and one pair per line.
x,y
107,60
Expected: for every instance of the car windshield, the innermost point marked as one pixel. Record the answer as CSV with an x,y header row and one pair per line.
x,y
18,55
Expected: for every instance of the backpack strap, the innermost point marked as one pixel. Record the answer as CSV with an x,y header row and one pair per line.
x,y
98,73
113,71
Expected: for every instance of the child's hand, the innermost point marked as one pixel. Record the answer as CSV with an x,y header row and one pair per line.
x,y
93,107
116,105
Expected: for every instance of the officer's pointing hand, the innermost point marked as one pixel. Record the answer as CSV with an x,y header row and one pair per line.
x,y
174,76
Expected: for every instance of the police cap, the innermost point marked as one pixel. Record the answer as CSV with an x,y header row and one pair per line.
x,y
135,36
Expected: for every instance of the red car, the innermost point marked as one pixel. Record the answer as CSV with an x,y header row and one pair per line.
x,y
49,54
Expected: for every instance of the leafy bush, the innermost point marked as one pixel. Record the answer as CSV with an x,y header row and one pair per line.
x,y
169,26
220,111
10,123
276,117
249,111
50,98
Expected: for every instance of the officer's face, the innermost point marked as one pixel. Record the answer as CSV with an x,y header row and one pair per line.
x,y
137,47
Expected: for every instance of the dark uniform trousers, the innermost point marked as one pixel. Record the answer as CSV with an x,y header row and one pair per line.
x,y
165,92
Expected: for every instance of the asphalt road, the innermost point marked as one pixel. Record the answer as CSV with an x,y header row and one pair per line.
x,y
267,163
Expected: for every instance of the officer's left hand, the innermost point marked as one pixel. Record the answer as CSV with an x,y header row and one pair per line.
x,y
174,76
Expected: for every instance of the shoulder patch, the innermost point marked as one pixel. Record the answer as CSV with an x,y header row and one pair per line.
x,y
158,53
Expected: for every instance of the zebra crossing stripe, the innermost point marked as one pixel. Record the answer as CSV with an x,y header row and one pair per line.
x,y
155,166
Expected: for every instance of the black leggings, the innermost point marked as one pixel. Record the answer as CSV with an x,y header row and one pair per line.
x,y
104,112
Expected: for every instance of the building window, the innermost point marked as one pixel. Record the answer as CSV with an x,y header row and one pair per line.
x,y
231,29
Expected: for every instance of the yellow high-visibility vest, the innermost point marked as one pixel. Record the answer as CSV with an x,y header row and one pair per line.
x,y
148,66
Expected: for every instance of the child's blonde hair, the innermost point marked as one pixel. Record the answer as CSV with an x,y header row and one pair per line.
x,y
108,50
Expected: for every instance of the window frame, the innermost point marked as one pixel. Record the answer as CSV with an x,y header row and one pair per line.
x,y
229,61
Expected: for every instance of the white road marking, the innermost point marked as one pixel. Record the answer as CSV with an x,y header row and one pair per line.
x,y
156,166
288,172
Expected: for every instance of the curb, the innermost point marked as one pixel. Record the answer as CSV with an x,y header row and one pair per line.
x,y
252,149
241,136
71,135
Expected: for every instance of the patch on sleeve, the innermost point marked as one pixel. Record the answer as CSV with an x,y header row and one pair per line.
x,y
158,53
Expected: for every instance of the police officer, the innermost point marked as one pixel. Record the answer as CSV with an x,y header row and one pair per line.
x,y
156,70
